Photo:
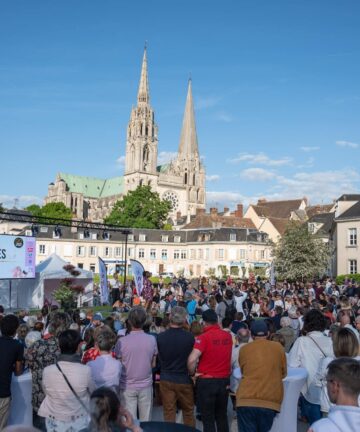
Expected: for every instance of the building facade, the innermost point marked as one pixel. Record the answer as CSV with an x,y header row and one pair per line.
x,y
345,235
182,180
192,252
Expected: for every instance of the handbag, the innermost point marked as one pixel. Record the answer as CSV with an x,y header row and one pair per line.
x,y
72,389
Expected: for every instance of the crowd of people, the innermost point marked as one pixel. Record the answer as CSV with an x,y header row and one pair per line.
x,y
183,342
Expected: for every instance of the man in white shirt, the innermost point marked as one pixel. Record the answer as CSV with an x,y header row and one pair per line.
x,y
239,298
343,385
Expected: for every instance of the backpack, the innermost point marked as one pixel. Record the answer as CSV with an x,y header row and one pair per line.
x,y
230,310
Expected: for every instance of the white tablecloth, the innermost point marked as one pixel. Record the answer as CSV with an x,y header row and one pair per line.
x,y
21,406
286,420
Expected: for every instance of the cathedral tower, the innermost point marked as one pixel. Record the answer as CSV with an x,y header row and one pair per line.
x,y
142,141
188,159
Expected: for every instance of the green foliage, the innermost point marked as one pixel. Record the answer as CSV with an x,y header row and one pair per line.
x,y
1,207
222,269
34,209
63,294
140,208
340,280
167,227
52,210
234,270
299,255
210,272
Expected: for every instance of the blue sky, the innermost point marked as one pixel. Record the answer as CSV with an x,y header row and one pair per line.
x,y
276,90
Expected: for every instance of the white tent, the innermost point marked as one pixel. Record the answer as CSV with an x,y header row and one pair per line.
x,y
32,293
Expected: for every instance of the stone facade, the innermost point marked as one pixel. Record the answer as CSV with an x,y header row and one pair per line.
x,y
193,252
182,180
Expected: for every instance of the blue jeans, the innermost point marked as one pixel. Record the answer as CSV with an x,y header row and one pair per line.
x,y
310,411
252,419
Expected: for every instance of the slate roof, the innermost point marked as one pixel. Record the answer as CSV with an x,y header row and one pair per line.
x,y
326,219
152,235
352,212
349,197
277,209
93,187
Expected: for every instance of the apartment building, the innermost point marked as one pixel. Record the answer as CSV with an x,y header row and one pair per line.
x,y
193,252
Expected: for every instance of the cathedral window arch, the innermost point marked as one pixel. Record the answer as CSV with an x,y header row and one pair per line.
x,y
146,131
185,178
194,179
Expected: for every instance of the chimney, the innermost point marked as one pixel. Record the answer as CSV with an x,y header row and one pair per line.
x,y
213,210
178,215
261,201
239,212
200,211
226,209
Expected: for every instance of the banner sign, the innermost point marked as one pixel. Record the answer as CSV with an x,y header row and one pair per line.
x,y
272,274
104,290
137,271
17,257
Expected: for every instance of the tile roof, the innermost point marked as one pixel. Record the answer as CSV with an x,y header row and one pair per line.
x,y
318,208
206,220
277,209
280,224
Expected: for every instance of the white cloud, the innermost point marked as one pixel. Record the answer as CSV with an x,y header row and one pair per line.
x,y
224,117
206,102
166,157
309,163
347,144
121,160
261,159
212,177
309,149
321,186
257,174
21,201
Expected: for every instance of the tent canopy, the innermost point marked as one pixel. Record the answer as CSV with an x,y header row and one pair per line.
x,y
53,268
31,293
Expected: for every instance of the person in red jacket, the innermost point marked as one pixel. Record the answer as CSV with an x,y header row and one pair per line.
x,y
211,360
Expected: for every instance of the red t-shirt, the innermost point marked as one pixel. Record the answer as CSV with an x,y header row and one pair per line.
x,y
215,346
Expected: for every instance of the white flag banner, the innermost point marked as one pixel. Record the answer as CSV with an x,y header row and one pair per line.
x,y
137,271
272,274
104,290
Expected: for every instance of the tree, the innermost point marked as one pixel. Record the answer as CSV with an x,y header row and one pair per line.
x,y
299,255
51,210
1,207
34,209
140,208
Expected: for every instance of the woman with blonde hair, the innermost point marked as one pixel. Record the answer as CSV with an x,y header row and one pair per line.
x,y
345,344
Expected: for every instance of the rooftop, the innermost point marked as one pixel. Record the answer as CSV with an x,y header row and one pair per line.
x,y
277,209
93,187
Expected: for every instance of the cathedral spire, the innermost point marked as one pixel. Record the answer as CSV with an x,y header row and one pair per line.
x,y
143,93
188,146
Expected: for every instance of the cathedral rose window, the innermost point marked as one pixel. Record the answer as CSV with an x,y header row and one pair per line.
x,y
173,198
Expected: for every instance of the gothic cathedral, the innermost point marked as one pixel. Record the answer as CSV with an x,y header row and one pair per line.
x,y
182,180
